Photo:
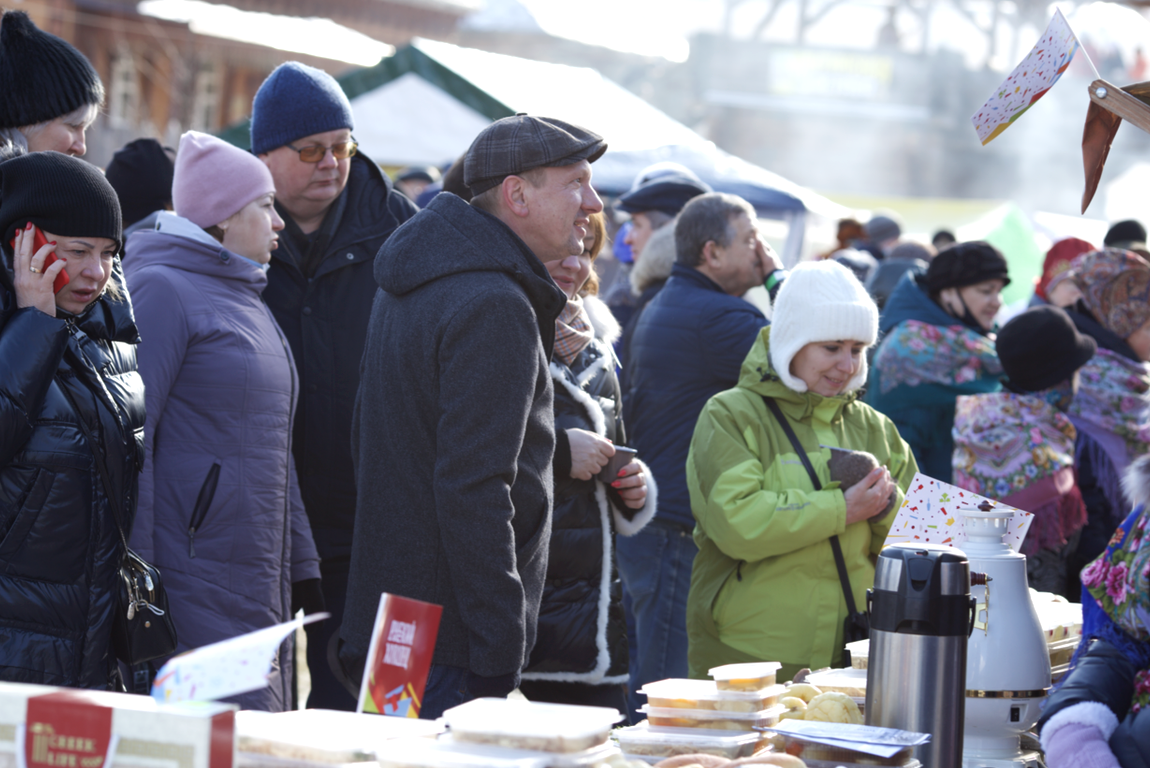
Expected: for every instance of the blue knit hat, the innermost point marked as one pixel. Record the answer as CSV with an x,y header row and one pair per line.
x,y
296,101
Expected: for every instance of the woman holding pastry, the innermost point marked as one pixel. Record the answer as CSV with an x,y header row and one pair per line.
x,y
772,500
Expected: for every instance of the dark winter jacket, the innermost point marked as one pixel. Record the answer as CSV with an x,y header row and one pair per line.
x,y
1105,675
60,550
582,635
454,436
325,320
925,359
688,345
221,391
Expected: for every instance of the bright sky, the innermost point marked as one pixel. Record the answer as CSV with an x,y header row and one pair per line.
x,y
662,27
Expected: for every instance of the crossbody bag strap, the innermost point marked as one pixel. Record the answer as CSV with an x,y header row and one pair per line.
x,y
98,459
836,547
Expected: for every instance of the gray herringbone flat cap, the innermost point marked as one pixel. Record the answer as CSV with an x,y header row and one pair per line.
x,y
517,144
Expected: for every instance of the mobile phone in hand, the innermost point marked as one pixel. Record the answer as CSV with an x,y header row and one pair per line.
x,y
38,242
623,456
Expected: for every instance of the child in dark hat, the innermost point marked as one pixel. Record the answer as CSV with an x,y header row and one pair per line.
x,y
52,93
141,173
1017,445
937,346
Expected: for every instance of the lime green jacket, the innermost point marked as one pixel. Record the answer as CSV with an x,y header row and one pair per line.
x,y
764,585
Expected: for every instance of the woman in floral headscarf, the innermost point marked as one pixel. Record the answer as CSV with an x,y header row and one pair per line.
x,y
1017,445
937,345
1099,717
1112,407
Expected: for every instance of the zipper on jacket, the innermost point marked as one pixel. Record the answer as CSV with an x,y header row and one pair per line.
x,y
203,504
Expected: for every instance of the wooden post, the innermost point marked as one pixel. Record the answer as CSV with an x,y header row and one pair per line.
x,y
1122,103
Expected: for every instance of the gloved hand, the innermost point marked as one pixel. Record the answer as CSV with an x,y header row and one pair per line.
x,y
307,595
499,686
1075,745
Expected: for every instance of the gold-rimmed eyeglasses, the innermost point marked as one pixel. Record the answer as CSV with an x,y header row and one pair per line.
x,y
316,152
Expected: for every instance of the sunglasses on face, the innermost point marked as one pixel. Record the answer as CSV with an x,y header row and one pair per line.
x,y
315,152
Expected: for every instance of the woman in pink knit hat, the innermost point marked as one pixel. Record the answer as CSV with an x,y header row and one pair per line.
x,y
220,511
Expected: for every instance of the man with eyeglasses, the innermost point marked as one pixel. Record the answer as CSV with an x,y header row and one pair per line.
x,y
454,435
338,208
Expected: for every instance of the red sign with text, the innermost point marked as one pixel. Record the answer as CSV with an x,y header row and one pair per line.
x,y
399,656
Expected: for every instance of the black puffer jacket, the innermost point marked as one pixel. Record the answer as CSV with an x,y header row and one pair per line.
x,y
324,318
582,634
60,550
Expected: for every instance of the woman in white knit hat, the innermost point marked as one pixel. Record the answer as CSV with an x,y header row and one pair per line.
x,y
765,585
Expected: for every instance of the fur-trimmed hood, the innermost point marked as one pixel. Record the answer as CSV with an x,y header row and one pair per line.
x,y
1136,482
607,328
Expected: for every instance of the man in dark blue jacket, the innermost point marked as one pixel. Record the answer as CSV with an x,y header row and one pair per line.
x,y
338,209
688,345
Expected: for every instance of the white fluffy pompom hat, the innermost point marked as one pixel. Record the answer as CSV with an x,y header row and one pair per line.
x,y
820,301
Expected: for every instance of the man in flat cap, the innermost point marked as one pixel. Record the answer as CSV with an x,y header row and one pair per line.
x,y
454,434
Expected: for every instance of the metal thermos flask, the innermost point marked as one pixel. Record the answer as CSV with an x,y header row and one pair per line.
x,y
921,615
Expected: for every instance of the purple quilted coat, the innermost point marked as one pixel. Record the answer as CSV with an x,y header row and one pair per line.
x,y
220,389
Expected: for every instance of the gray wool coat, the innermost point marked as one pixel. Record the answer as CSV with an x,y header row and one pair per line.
x,y
453,437
220,389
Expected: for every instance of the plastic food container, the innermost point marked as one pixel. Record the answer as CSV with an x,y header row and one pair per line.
x,y
450,753
745,677
852,682
1062,650
321,736
702,694
644,740
712,719
517,724
860,653
847,764
824,756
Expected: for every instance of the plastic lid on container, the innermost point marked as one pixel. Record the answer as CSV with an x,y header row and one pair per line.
x,y
531,719
835,679
704,690
703,738
425,753
752,718
746,671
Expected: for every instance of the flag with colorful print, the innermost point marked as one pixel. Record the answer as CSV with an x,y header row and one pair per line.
x,y
1029,81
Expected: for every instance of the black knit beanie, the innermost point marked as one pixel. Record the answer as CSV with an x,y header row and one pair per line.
x,y
61,195
141,173
965,264
1041,347
44,76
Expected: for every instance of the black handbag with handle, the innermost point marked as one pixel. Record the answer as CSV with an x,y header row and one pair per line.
x,y
142,627
857,624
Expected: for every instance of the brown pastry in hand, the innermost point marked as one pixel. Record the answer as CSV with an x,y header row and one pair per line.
x,y
849,467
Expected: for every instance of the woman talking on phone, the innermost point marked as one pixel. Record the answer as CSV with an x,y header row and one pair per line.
x,y
580,653
220,509
71,421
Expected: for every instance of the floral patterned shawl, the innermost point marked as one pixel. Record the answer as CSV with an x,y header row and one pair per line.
x,y
916,353
1004,442
1114,395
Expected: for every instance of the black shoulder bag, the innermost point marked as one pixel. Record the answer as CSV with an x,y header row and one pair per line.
x,y
142,627
857,624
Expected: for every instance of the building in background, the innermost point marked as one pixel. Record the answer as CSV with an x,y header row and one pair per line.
x,y
164,77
